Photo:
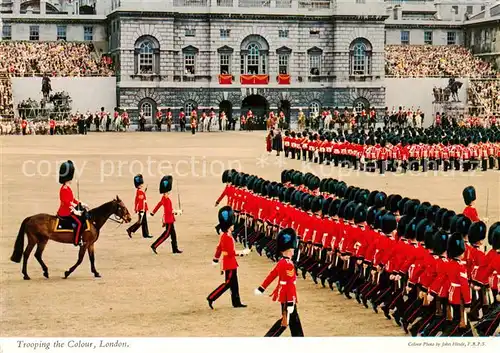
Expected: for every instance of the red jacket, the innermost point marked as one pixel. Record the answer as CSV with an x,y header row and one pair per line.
x,y
66,198
459,292
227,249
479,266
285,292
140,201
229,192
471,213
441,282
168,213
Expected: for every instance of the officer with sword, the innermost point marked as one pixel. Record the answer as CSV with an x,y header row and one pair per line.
x,y
141,208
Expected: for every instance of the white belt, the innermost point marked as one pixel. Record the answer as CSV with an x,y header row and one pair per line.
x,y
455,285
285,282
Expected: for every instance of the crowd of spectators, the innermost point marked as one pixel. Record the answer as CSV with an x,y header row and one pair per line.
x,y
434,61
53,59
484,96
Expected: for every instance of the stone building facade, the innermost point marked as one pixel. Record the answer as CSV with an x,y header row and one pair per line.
x,y
232,55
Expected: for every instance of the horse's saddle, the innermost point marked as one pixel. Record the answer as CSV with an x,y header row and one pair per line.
x,y
66,224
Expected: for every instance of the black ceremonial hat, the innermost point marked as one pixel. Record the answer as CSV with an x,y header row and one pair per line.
x,y
66,172
455,246
477,232
138,180
166,184
226,218
287,239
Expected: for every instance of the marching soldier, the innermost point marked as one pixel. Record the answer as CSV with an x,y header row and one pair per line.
x,y
159,119
226,249
168,216
52,125
182,120
141,208
168,119
285,293
469,196
194,123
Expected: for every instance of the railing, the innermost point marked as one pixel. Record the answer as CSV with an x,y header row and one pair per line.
x,y
225,3
284,4
315,4
254,3
191,3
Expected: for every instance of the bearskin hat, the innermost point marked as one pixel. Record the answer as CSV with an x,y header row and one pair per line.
x,y
431,213
477,232
306,202
392,203
287,239
272,190
323,185
410,208
166,184
341,189
326,206
349,211
380,199
454,221
313,183
422,226
401,205
469,195
138,180
298,178
281,193
463,225
455,246
362,196
288,194
388,223
332,186
226,218
66,172
264,188
421,211
440,242
429,237
360,214
371,198
317,203
342,206
411,229
370,216
226,176
494,235
333,210
401,228
284,176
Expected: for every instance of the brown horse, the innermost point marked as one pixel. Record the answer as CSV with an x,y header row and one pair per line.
x,y
42,227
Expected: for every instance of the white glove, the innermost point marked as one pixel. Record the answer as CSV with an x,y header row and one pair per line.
x,y
256,291
430,298
84,205
486,219
498,297
178,212
290,309
78,213
214,263
246,251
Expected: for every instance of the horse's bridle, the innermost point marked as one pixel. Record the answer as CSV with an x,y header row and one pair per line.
x,y
116,218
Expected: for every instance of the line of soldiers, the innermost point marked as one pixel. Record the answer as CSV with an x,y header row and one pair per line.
x,y
38,127
433,148
421,264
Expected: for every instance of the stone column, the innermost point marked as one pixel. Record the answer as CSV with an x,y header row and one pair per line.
x,y
43,7
16,7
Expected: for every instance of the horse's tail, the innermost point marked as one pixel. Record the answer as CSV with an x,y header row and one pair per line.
x,y
19,244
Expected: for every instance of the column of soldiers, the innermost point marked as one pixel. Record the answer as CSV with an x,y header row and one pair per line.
x,y
420,264
205,122
39,127
394,149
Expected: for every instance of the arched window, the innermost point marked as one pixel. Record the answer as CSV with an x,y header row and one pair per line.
x,y
147,56
189,107
361,103
314,108
147,109
254,55
360,57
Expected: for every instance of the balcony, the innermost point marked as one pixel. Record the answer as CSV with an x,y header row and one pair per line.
x,y
321,78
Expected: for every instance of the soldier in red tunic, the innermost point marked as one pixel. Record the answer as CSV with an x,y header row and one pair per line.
x,y
24,125
226,249
141,208
69,206
168,216
52,125
228,191
469,195
285,293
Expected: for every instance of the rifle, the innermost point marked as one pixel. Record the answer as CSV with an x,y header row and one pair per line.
x,y
178,197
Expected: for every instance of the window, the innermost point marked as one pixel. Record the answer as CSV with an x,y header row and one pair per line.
x,y
189,107
146,58
314,108
315,64
428,37
283,64
224,33
360,57
190,32
483,7
395,12
469,10
61,32
88,33
225,63
314,33
454,9
6,32
451,38
283,33
405,37
385,37
360,1
254,52
34,32
189,63
147,109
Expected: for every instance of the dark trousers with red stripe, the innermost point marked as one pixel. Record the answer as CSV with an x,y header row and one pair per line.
x,y
142,222
293,323
78,229
169,232
231,282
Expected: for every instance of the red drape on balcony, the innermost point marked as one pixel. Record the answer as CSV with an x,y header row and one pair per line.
x,y
284,79
254,79
225,79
